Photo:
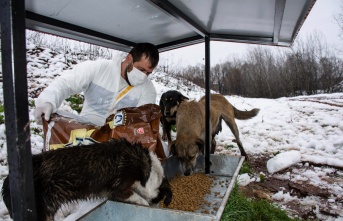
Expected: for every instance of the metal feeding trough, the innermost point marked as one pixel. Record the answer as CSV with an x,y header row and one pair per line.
x,y
224,169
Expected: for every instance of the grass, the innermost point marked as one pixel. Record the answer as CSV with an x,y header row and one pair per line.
x,y
2,117
32,102
230,146
245,168
76,102
241,208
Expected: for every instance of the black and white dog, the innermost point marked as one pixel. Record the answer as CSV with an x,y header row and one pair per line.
x,y
169,103
117,170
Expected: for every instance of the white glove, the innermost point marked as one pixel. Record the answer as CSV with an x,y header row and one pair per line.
x,y
46,109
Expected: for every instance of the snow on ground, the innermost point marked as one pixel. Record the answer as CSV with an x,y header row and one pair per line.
x,y
310,127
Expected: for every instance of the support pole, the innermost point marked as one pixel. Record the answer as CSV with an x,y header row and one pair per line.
x,y
207,105
13,53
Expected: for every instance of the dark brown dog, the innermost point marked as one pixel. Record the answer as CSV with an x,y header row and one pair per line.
x,y
190,124
117,170
169,103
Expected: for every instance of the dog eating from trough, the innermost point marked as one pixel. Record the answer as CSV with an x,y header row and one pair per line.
x,y
191,129
169,103
117,170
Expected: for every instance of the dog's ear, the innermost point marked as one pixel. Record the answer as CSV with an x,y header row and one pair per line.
x,y
200,143
183,98
161,101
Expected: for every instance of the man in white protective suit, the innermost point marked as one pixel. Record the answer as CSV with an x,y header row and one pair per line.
x,y
107,85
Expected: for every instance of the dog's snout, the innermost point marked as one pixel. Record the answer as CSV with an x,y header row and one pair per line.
x,y
187,172
167,112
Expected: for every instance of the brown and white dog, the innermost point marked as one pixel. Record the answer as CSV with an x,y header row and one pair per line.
x,y
117,170
191,130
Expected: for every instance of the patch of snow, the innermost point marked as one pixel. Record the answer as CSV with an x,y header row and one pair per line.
x,y
283,161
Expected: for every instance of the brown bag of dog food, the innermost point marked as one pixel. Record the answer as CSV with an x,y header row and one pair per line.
x,y
138,124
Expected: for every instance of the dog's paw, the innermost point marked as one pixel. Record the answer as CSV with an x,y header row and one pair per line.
x,y
142,202
167,200
137,199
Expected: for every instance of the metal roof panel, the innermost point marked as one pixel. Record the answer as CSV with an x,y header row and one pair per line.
x,y
169,24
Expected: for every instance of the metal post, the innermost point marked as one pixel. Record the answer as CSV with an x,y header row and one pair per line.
x,y
13,43
207,105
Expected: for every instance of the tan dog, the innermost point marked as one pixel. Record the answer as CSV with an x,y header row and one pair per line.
x,y
191,130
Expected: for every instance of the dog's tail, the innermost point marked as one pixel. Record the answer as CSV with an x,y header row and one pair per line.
x,y
244,115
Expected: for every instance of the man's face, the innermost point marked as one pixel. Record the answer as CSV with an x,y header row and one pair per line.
x,y
144,65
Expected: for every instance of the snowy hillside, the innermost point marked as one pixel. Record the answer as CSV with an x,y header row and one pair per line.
x,y
312,126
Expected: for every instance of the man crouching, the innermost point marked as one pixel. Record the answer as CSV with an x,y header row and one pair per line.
x,y
117,170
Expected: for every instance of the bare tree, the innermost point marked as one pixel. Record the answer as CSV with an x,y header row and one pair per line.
x,y
305,59
217,73
331,73
231,78
195,74
37,38
261,70
339,20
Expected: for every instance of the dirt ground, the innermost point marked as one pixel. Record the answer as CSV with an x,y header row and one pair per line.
x,y
308,202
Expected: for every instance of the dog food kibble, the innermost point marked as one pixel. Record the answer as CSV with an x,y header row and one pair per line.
x,y
189,191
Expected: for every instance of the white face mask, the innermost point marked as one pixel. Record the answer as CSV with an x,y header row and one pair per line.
x,y
136,77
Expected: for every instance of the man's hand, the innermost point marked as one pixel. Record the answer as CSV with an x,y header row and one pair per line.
x,y
43,109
